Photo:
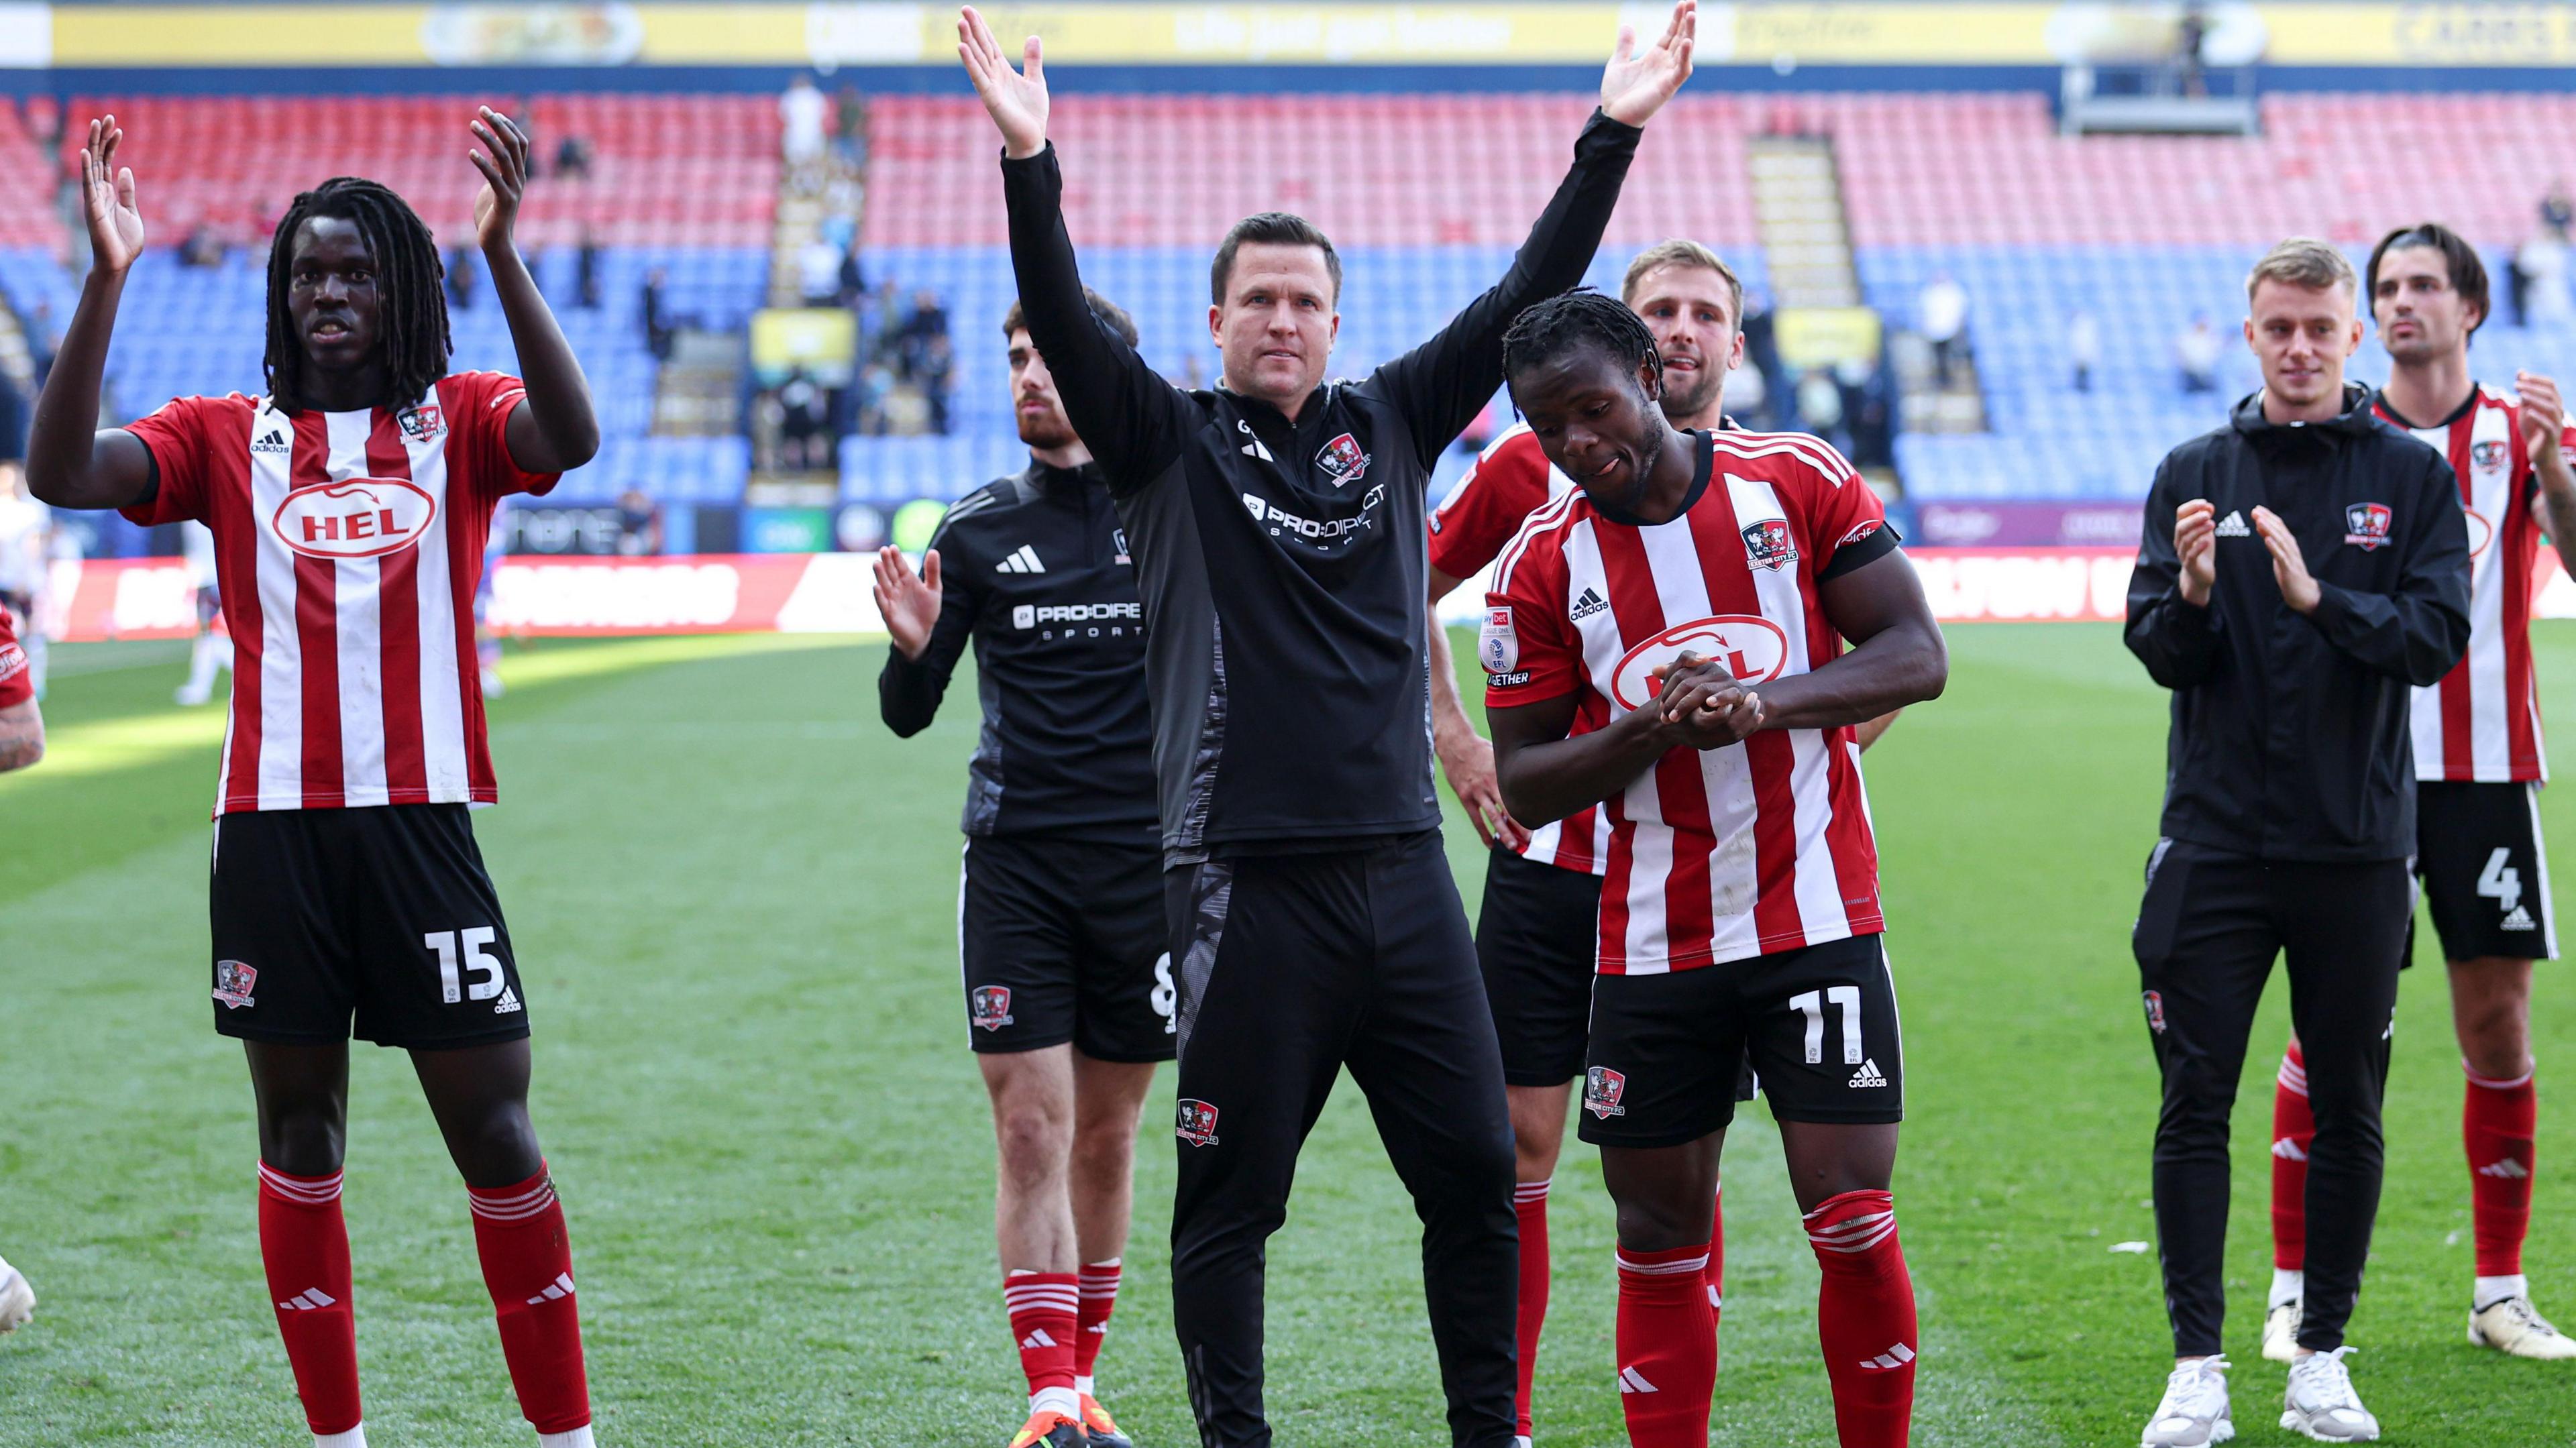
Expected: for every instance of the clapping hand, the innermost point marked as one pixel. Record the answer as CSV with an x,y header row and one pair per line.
x,y
1637,82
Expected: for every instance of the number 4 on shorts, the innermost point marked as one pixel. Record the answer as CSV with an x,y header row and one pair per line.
x,y
488,970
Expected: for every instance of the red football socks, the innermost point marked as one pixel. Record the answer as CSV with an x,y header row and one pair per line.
x,y
2294,1127
1529,1205
2497,1124
527,1265
1045,1320
1098,1286
1667,1345
1865,1318
305,1246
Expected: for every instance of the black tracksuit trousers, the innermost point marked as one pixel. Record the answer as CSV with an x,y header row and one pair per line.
x,y
2207,932
1293,967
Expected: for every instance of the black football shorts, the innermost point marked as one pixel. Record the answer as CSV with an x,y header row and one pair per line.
x,y
1538,932
1668,1051
2485,870
378,923
1063,939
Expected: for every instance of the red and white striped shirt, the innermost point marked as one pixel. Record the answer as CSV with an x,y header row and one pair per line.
x,y
1512,479
1721,854
2481,723
17,681
347,545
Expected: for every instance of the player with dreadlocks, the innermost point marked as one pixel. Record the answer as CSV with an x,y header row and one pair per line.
x,y
349,507
1687,604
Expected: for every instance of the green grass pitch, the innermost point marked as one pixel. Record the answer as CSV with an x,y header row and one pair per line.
x,y
733,897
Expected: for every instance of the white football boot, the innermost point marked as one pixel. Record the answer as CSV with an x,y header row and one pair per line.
x,y
2281,1332
2321,1403
2194,1411
2511,1326
17,1299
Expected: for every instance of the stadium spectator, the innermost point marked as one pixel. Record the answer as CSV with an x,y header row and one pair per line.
x,y
938,367
803,426
2197,352
572,159
801,113
589,261
463,278
1068,980
2558,209
2302,566
1941,314
1315,921
850,128
639,525
657,314
2083,346
203,248
818,272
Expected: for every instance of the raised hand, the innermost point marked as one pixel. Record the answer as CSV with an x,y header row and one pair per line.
x,y
505,177
2289,566
1016,99
1638,82
107,191
2196,545
909,604
2544,415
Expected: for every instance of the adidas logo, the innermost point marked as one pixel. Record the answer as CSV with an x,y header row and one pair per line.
x,y
2518,918
556,1291
274,442
1895,1357
1254,449
1023,559
1038,1338
2288,1150
2507,1170
507,1004
309,1300
1633,1381
1867,1075
1586,606
2233,526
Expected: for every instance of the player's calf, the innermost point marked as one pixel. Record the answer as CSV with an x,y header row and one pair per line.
x,y
527,1265
1865,1317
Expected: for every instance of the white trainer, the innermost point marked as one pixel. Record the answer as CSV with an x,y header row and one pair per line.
x,y
2321,1403
2513,1327
2194,1411
17,1299
2281,1332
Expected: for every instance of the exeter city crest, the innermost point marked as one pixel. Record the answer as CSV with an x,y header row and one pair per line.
x,y
1767,545
233,983
1197,1122
989,1006
1602,1088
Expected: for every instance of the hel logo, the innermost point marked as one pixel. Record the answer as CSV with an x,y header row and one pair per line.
x,y
233,983
1499,644
359,518
2156,1011
1342,460
1602,1088
1753,650
989,1006
421,423
1767,545
2481,533
1197,1123
2366,524
2488,456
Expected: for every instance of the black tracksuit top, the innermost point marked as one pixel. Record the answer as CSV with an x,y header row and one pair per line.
x,y
1283,564
1033,568
2290,736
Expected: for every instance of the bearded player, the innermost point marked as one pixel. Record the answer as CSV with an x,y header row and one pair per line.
x,y
2479,766
1708,707
349,507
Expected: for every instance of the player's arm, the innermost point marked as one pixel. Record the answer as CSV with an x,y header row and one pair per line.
x,y
929,618
71,461
1870,729
22,735
2171,628
1897,656
2546,439
1130,418
555,428
1465,758
1440,385
2417,633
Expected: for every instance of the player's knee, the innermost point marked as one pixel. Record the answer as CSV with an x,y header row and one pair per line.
x,y
499,1149
1033,1139
301,1139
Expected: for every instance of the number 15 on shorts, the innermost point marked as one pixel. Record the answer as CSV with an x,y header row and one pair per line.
x,y
465,948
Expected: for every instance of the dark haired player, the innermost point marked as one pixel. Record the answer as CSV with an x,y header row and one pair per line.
x,y
22,743
1278,523
1709,708
349,508
2478,771
1068,980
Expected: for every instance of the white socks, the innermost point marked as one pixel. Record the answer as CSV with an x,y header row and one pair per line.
x,y
354,1438
1056,1400
2288,1285
2492,1290
577,1438
1082,1386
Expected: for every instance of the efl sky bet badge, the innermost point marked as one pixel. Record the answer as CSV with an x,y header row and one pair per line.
x,y
989,1006
1602,1088
2366,525
1342,460
1767,545
1498,644
233,983
1197,1123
